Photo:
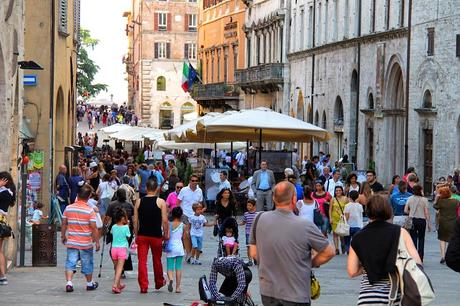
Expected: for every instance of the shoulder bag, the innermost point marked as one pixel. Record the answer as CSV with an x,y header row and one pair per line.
x,y
315,288
342,229
317,215
408,222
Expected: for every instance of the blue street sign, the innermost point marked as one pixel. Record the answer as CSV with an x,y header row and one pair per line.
x,y
30,80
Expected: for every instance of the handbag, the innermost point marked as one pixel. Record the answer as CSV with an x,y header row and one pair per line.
x,y
215,231
5,229
408,223
317,215
315,287
342,229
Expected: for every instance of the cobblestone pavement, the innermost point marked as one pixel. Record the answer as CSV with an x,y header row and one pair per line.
x,y
40,286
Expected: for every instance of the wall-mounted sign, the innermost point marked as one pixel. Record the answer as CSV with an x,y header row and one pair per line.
x,y
30,80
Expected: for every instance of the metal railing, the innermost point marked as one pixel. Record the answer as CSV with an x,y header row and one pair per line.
x,y
262,73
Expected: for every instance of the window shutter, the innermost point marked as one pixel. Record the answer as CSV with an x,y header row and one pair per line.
x,y
430,36
62,28
457,53
168,22
168,50
156,50
186,51
186,23
155,21
76,20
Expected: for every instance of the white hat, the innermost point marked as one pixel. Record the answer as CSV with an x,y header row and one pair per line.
x,y
92,165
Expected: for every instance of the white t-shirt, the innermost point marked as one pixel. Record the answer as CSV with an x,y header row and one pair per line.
x,y
224,185
188,197
306,210
356,214
241,158
148,155
38,214
330,185
196,225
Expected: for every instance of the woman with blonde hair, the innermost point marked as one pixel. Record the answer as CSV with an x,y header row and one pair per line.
x,y
447,208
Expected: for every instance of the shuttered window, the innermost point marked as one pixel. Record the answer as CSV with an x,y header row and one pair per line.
x,y
430,43
162,50
457,51
192,22
190,51
162,22
62,25
76,20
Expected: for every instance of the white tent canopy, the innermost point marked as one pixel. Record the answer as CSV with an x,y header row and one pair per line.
x,y
179,132
172,145
258,123
114,128
132,134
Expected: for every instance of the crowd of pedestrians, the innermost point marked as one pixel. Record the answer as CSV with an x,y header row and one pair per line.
x,y
106,115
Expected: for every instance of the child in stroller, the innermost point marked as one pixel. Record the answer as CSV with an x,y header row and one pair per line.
x,y
228,237
234,289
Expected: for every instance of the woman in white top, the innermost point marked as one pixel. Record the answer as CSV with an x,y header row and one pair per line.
x,y
175,249
352,183
417,208
307,205
354,215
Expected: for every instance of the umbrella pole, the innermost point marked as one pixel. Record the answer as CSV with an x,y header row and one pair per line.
x,y
247,157
260,146
231,154
215,156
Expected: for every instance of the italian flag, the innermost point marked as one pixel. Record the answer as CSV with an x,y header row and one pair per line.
x,y
185,75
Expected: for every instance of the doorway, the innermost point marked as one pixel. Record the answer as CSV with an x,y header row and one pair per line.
x,y
428,161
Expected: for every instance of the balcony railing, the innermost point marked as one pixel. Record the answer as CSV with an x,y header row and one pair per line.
x,y
265,77
215,91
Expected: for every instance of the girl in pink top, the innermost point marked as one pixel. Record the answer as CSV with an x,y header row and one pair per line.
x,y
323,198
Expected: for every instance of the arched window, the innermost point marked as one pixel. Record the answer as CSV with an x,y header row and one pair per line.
x,y
338,111
166,116
317,118
427,100
370,101
324,126
161,83
186,108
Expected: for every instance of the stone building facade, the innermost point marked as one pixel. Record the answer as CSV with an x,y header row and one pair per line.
x,y
51,39
379,79
221,52
11,102
163,36
265,78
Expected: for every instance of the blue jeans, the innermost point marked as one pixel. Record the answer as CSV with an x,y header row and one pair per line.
x,y
86,257
103,205
197,242
353,231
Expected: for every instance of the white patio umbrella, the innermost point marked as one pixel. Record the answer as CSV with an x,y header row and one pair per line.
x,y
117,127
260,124
178,133
133,134
172,145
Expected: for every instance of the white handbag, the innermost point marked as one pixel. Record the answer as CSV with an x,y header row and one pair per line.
x,y
342,229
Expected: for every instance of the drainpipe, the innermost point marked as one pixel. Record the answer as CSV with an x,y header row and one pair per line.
x,y
51,118
313,67
406,134
359,83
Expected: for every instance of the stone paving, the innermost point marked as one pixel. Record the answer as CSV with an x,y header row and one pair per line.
x,y
45,286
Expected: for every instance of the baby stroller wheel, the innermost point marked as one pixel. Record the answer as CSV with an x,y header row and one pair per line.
x,y
249,301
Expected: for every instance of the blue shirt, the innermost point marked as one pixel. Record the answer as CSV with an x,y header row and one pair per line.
x,y
145,174
63,186
398,202
264,184
299,190
74,188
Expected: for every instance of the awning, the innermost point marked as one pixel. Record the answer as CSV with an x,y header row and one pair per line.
x,y
24,131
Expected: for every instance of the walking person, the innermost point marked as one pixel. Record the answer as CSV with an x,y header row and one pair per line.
x,y
175,249
62,187
105,193
75,182
323,198
282,243
373,253
352,183
247,221
447,209
306,206
78,233
336,210
417,209
150,227
354,215
225,206
7,200
119,251
262,184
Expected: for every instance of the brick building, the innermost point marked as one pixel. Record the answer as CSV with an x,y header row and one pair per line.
x,y
382,77
162,35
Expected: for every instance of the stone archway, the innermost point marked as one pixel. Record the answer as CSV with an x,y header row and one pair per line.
x,y
338,126
395,120
59,126
300,114
353,118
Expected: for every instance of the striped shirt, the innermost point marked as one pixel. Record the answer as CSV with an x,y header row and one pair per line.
x,y
79,233
248,219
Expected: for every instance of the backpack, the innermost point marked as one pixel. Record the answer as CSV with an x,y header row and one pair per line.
x,y
414,284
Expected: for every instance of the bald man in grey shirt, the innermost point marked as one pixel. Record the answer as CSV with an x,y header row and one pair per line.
x,y
282,243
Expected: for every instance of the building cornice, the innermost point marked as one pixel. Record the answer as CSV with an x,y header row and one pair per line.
x,y
374,37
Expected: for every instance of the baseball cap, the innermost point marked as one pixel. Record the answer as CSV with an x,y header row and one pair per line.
x,y
92,165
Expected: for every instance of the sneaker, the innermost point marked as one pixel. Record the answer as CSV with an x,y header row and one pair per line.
x,y
189,260
68,288
197,262
249,263
93,286
192,261
3,281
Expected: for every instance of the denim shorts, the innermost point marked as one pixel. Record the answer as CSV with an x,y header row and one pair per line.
x,y
197,242
86,257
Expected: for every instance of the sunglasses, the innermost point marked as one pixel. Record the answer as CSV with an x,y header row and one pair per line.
x,y
179,187
194,181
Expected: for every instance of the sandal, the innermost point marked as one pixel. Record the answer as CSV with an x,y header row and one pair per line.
x,y
116,290
170,286
122,286
178,290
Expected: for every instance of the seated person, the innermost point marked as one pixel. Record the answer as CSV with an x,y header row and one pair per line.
x,y
237,278
229,242
38,214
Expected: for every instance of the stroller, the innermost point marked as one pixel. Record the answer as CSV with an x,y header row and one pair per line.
x,y
229,222
229,285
